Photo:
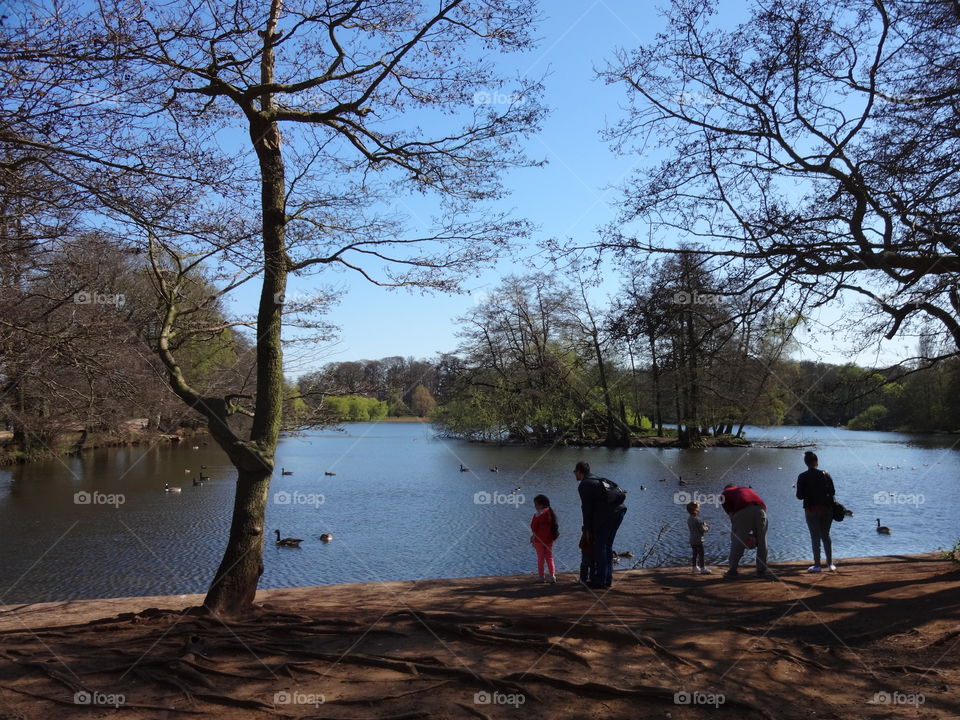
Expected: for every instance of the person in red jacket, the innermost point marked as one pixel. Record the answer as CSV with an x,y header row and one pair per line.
x,y
545,531
748,515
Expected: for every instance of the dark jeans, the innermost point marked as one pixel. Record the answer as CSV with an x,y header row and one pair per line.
x,y
818,523
605,531
586,567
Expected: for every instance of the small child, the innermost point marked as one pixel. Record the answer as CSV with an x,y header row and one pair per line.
x,y
545,531
697,527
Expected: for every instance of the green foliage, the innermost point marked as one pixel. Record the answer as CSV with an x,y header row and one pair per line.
x,y
869,419
354,408
954,553
422,401
645,423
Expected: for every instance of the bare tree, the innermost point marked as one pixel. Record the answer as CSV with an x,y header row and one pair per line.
x,y
350,80
814,147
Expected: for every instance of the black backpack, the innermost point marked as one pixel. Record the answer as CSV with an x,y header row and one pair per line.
x,y
613,494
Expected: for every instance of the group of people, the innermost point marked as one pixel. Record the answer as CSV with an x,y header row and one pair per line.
x,y
602,508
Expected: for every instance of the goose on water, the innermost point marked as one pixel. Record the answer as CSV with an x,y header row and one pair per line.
x,y
287,542
882,529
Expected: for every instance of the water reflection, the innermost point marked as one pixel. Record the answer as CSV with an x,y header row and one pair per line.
x,y
398,507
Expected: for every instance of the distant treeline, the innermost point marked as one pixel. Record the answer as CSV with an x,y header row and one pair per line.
x,y
537,363
809,393
671,354
76,351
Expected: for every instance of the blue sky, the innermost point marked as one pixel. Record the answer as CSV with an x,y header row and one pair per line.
x,y
569,198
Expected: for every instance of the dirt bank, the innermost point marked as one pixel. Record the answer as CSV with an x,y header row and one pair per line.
x,y
878,639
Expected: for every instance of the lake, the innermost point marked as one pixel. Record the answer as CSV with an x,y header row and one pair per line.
x,y
399,507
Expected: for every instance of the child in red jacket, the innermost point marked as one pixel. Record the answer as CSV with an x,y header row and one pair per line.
x,y
545,531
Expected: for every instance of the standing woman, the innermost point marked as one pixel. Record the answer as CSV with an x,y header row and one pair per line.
x,y
815,488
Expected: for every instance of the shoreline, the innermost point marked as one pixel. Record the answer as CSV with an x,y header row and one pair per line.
x,y
879,638
84,609
123,603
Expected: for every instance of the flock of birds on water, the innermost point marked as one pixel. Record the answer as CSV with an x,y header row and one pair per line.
x,y
288,542
291,542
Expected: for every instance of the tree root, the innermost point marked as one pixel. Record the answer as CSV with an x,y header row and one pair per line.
x,y
942,640
381,698
495,637
907,669
475,711
71,703
793,657
648,691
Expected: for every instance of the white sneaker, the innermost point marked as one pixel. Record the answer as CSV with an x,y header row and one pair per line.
x,y
832,568
695,570
553,578
813,569
706,571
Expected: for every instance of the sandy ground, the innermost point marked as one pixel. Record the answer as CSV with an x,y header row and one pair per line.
x,y
878,639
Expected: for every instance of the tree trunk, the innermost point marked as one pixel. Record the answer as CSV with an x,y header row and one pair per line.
x,y
235,583
655,373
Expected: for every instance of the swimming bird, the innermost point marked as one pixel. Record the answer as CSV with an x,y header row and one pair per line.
x,y
882,529
495,468
204,478
286,472
326,537
626,554
327,472
196,447
515,490
197,482
203,467
287,542
186,471
168,488
680,481
464,469
642,487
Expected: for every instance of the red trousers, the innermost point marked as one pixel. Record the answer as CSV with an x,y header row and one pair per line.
x,y
544,553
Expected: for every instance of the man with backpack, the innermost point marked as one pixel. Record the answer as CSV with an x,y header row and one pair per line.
x,y
601,501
